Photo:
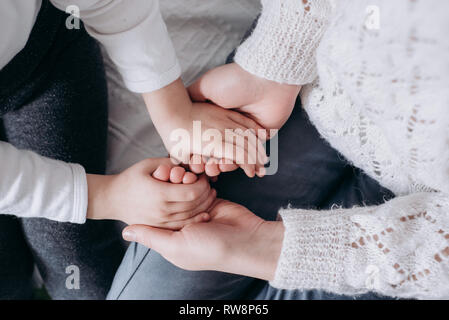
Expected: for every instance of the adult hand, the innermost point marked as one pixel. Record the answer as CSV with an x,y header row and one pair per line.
x,y
234,241
267,102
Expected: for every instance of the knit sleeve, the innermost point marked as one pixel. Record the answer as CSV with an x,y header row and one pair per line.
x,y
282,47
400,248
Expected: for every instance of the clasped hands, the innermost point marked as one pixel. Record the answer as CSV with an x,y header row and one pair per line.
x,y
175,211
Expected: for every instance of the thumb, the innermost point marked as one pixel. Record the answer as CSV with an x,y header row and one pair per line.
x,y
157,239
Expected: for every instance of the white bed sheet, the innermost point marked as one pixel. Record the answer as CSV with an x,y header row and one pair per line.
x,y
204,32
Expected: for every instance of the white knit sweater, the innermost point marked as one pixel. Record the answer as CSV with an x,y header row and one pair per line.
x,y
381,97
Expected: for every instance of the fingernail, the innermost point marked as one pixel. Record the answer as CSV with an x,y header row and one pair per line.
x,y
129,235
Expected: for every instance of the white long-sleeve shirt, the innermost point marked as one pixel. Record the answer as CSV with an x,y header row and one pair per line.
x,y
36,187
136,39
377,91
132,31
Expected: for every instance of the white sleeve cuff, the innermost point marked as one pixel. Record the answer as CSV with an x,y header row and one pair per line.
x,y
157,82
80,194
399,248
33,186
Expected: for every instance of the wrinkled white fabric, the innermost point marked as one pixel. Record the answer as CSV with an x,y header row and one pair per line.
x,y
37,187
133,33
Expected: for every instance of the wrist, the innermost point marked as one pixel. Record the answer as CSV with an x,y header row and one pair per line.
x,y
260,257
98,203
273,234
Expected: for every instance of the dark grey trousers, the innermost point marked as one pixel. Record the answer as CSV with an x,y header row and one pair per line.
x,y
53,100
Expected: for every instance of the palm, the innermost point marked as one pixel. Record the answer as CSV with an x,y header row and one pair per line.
x,y
233,241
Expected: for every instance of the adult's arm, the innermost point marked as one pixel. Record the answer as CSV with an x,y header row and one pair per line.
x,y
38,187
135,37
400,248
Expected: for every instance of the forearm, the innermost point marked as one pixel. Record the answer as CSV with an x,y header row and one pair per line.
x,y
98,207
168,107
33,186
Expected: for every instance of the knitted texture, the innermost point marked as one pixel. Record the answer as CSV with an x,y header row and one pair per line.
x,y
400,248
381,99
282,47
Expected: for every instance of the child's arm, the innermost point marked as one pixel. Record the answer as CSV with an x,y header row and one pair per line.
x,y
171,109
32,186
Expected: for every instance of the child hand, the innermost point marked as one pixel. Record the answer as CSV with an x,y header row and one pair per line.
x,y
153,192
171,109
267,102
249,153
